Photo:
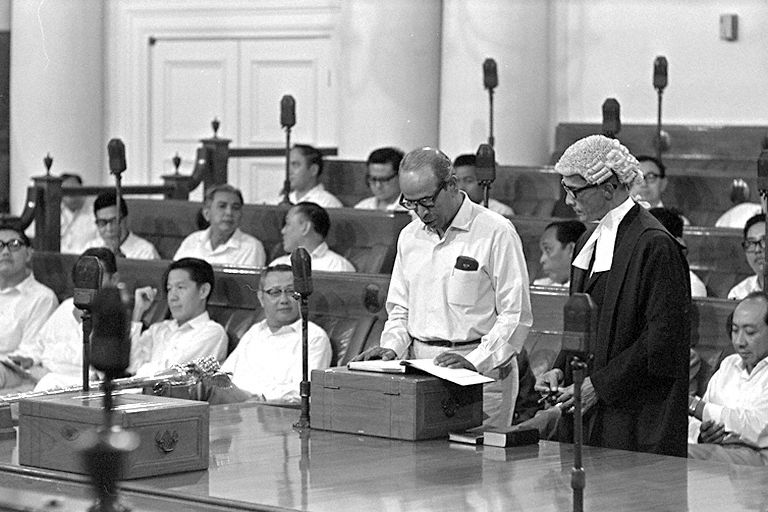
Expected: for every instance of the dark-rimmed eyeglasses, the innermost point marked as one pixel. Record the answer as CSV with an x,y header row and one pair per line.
x,y
379,180
102,223
275,293
425,202
572,191
651,177
750,245
13,245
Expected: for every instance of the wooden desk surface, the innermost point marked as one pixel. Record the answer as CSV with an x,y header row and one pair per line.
x,y
257,458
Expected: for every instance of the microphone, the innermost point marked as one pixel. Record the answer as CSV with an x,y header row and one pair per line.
x,y
110,343
762,171
301,263
611,118
116,150
485,163
490,76
660,73
579,325
287,111
87,278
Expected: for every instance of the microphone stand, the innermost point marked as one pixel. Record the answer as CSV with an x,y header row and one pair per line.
x,y
287,182
491,139
578,479
659,140
87,327
304,387
486,184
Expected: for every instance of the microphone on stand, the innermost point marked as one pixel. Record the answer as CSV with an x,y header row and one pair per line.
x,y
301,264
660,73
611,118
87,277
660,83
116,151
485,169
490,82
287,121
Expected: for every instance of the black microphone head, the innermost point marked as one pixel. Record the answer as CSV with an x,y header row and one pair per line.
x,y
579,323
485,163
611,117
490,75
87,277
110,341
287,111
660,73
301,264
116,151
762,171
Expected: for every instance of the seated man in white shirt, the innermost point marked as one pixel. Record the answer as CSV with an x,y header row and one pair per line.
x,y
118,239
730,422
267,362
190,334
223,243
671,219
307,225
557,243
383,166
78,225
25,304
306,166
55,357
754,250
466,177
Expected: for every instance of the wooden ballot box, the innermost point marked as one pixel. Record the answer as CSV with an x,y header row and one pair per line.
x,y
173,433
400,406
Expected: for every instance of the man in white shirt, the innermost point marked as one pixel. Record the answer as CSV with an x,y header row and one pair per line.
x,y
307,226
466,177
459,287
730,422
306,166
190,334
267,362
556,244
55,357
25,304
118,239
383,166
754,250
78,226
223,243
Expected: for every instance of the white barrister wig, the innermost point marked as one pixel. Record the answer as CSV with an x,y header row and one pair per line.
x,y
595,157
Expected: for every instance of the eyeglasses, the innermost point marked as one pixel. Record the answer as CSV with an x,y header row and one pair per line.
x,y
651,177
13,245
425,202
379,180
572,191
753,245
275,293
102,223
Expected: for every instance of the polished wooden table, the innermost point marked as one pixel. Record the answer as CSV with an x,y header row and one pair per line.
x,y
258,462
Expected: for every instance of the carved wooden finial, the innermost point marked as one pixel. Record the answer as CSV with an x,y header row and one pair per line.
x,y
215,124
176,162
48,162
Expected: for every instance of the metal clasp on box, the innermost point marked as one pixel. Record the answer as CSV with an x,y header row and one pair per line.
x,y
166,441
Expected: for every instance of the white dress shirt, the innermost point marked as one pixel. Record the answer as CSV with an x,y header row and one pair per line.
x,y
698,288
430,299
323,258
548,281
24,308
316,194
372,203
241,249
77,228
133,247
603,240
738,215
499,207
738,400
268,364
166,343
59,345
744,288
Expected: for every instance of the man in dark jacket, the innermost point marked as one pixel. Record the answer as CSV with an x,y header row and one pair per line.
x,y
635,394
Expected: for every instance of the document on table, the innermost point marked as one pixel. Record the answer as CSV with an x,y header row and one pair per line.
x,y
460,376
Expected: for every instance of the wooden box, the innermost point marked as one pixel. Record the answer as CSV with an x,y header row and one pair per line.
x,y
173,433
400,406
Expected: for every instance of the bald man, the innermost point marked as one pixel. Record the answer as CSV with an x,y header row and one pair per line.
x,y
459,287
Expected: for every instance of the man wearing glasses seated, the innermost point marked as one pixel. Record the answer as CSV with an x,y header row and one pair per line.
x,y
459,287
118,239
754,249
383,166
267,362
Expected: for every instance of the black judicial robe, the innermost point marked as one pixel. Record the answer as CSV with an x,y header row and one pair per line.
x,y
640,365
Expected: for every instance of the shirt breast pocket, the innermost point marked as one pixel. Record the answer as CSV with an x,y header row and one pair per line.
x,y
464,287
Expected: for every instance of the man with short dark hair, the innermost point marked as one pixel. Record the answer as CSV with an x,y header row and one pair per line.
x,y
190,334
557,243
730,422
754,250
267,361
25,304
306,166
78,226
382,167
307,225
223,242
119,239
466,177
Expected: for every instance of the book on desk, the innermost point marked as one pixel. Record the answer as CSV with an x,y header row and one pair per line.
x,y
503,438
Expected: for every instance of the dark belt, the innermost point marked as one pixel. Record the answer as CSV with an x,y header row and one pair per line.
x,y
445,343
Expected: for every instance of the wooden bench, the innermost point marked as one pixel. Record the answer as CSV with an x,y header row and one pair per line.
x,y
367,238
